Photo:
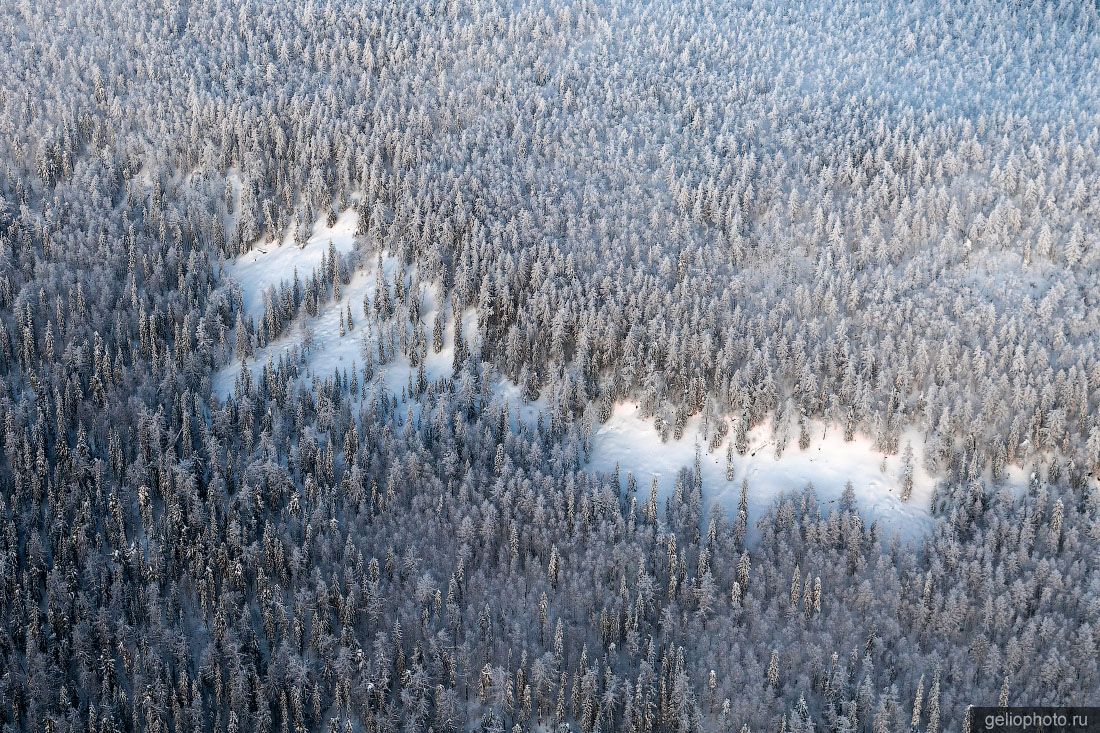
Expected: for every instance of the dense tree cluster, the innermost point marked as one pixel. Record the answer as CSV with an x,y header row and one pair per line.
x,y
881,217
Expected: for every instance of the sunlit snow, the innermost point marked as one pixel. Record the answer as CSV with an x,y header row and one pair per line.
x,y
327,350
633,443
267,265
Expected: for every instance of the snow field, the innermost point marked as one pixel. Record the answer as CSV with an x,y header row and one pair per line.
x,y
828,463
626,439
267,267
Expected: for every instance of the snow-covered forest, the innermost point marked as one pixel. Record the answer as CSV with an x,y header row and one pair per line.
x,y
545,365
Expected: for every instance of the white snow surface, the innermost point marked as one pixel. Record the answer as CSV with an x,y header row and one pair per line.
x,y
329,351
828,463
267,265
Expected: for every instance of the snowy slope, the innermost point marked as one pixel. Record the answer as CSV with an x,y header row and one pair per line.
x,y
625,440
268,265
326,349
633,443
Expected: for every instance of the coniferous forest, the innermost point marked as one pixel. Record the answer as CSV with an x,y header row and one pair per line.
x,y
331,333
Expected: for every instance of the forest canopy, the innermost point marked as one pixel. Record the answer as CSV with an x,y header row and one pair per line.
x,y
311,314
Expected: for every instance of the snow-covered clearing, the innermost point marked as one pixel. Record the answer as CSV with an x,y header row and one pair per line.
x,y
327,349
268,265
634,444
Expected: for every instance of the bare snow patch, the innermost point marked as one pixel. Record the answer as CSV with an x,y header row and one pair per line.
x,y
328,342
267,265
632,442
329,347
